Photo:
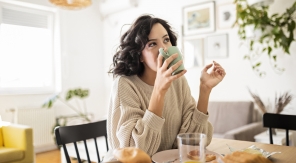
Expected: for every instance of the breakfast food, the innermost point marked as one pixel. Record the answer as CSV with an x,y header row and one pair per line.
x,y
193,155
131,155
244,157
253,151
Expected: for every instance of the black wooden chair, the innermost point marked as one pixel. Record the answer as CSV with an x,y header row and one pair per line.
x,y
73,134
281,121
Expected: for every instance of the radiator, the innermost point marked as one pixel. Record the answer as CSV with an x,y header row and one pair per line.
x,y
42,121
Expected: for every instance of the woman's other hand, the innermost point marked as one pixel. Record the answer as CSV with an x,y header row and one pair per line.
x,y
216,75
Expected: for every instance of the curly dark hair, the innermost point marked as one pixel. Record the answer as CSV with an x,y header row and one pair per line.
x,y
126,61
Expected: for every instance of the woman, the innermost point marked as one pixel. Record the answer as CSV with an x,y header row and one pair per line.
x,y
149,107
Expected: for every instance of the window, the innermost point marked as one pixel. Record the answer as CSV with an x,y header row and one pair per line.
x,y
29,60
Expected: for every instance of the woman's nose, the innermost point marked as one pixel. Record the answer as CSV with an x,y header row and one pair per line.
x,y
165,47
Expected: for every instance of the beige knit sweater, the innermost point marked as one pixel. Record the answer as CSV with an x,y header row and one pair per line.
x,y
130,123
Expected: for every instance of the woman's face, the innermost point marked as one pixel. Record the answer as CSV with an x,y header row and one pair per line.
x,y
158,38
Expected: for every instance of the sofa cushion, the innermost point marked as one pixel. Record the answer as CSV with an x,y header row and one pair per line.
x,y
10,154
1,137
226,116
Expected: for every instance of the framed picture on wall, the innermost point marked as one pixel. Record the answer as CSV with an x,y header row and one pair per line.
x,y
217,46
226,15
199,18
193,52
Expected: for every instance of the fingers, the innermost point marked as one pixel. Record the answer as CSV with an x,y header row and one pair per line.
x,y
175,66
169,60
159,61
219,69
207,67
168,71
178,75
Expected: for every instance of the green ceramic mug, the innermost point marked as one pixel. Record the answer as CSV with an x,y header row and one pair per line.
x,y
170,51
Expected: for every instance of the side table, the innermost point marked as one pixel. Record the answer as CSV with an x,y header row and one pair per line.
x,y
279,138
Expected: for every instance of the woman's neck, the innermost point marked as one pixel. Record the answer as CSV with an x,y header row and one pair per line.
x,y
148,77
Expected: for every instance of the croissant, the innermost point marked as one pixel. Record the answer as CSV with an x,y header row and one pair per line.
x,y
244,157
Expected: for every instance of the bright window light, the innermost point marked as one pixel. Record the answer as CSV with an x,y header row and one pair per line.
x,y
29,60
25,56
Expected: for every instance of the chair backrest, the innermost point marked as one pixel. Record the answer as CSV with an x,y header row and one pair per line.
x,y
76,133
281,121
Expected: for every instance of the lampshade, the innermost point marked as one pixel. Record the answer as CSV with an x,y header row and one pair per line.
x,y
71,4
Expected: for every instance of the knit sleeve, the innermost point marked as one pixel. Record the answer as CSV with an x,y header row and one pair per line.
x,y
194,121
131,125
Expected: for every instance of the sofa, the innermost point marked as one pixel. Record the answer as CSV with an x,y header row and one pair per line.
x,y
236,120
16,144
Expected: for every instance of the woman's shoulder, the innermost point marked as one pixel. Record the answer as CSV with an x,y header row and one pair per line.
x,y
125,79
122,84
126,82
133,83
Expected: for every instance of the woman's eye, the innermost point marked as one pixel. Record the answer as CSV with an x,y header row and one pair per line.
x,y
167,40
152,44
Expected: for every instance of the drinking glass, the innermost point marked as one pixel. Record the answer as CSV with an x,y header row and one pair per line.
x,y
192,147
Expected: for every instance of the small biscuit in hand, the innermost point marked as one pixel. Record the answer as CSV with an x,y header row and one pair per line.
x,y
131,155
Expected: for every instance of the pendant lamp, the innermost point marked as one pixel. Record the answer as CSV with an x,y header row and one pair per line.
x,y
71,4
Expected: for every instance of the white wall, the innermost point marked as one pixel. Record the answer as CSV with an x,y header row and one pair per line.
x,y
82,66
239,73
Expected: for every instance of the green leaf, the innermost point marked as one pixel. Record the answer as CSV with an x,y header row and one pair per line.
x,y
251,44
275,30
246,56
50,104
264,49
274,57
275,15
77,93
269,50
292,25
256,65
263,37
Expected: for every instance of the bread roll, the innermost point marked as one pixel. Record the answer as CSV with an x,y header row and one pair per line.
x,y
131,155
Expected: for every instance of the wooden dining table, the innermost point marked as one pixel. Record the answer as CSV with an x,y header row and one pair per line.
x,y
287,155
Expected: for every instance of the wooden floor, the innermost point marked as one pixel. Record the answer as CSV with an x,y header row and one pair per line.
x,y
49,157
53,156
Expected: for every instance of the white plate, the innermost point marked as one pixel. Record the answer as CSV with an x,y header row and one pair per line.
x,y
173,154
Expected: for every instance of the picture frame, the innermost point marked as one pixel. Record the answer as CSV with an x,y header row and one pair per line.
x,y
198,19
193,52
217,46
226,15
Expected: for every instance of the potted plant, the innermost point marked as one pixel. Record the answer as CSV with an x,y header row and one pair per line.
x,y
72,93
277,31
280,102
77,93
